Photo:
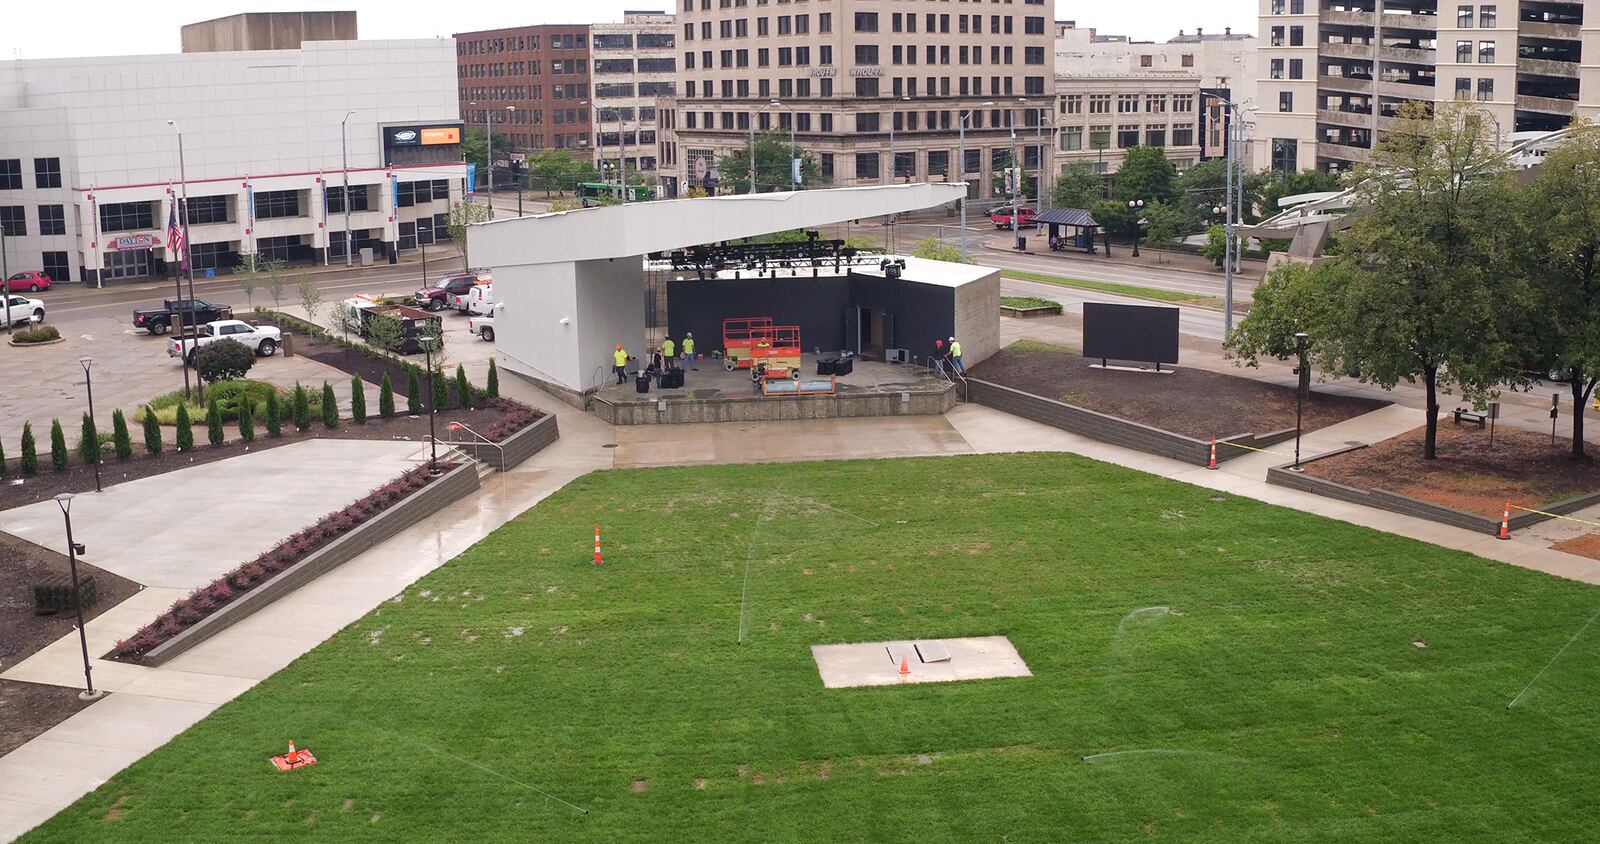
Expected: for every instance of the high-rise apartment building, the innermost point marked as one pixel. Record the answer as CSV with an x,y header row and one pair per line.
x,y
1335,73
634,63
853,77
531,83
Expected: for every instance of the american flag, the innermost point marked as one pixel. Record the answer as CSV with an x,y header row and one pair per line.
x,y
175,245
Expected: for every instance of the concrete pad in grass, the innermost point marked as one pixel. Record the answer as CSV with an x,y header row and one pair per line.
x,y
928,661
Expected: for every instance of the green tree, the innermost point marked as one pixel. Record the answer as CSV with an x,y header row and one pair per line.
x,y
185,429
30,450
1145,174
310,295
1560,209
1279,185
555,170
274,415
120,439
249,272
462,215
1078,186
1216,248
475,149
358,401
88,441
224,360
491,384
772,153
441,390
463,388
413,392
302,408
152,431
214,433
933,249
247,418
276,282
1419,293
58,446
386,397
1163,225
386,333
330,406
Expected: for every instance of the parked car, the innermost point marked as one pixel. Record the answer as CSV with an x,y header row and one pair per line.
x,y
32,281
195,312
24,311
263,339
1001,217
437,298
483,325
478,300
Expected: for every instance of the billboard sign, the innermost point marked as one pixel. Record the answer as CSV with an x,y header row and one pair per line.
x,y
420,136
1130,332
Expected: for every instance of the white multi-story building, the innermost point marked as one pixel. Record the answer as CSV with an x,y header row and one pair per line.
x,y
631,64
89,155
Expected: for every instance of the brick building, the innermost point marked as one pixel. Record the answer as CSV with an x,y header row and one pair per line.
x,y
530,82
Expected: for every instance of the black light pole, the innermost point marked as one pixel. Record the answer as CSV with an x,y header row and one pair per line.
x,y
88,385
64,501
1304,387
433,408
1136,205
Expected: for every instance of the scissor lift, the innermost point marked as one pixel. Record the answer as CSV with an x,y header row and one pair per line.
x,y
739,337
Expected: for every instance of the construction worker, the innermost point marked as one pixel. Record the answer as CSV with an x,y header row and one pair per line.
x,y
936,360
688,350
669,350
619,359
955,357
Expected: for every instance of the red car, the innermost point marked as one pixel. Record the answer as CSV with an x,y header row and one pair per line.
x,y
1001,217
32,281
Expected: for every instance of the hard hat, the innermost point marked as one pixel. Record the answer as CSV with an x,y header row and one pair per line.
x,y
619,347
689,334
952,339
939,343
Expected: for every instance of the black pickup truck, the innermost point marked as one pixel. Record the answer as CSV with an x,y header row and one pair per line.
x,y
194,311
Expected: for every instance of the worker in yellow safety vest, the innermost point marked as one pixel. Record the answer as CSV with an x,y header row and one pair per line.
x,y
955,357
669,350
688,350
619,359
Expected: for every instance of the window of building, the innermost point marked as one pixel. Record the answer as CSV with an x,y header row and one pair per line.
x,y
206,209
825,164
656,41
1285,101
1463,88
1155,136
657,89
279,248
866,21
1099,137
1155,103
1485,90
802,24
1485,52
13,221
1486,17
1297,68
1463,51
1033,55
10,174
1099,103
1463,17
1275,69
47,172
825,23
1072,104
52,220
55,265
1277,7
126,216
867,166
1127,103
866,54
1277,36
1127,136
1297,36
868,122
1183,136
1033,86
622,41
273,204
1147,60
1183,103
1285,155
866,87
1297,7
657,65
1072,138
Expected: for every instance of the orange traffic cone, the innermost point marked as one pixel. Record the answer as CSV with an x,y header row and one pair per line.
x,y
291,749
597,545
905,666
1505,523
1213,463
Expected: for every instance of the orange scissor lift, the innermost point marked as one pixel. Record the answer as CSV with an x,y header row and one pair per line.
x,y
749,342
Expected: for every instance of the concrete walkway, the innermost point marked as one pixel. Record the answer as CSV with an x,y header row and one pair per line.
x,y
149,706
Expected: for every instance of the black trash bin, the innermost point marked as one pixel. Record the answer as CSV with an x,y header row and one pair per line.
x,y
641,383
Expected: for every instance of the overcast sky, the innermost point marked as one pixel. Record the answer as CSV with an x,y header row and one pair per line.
x,y
32,29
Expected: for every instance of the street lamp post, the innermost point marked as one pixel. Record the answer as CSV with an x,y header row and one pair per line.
x,y
794,152
1135,206
1235,206
344,160
1016,180
64,501
752,117
188,247
86,362
894,169
488,156
1301,391
511,111
961,171
427,344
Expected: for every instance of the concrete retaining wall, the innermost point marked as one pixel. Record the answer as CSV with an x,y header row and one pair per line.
x,y
1394,502
517,447
456,484
775,408
1111,429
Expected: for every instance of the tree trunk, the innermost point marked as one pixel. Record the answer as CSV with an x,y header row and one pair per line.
x,y
1430,378
1582,387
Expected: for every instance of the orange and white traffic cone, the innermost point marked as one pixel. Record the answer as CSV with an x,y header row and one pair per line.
x,y
905,666
1212,464
1505,523
291,750
597,544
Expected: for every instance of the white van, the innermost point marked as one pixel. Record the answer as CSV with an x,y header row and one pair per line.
x,y
478,300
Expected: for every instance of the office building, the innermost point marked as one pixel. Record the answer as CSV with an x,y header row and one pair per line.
x,y
855,77
267,31
1335,75
531,83
90,167
634,63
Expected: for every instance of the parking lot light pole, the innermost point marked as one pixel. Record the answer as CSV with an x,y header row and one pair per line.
x,y
64,501
427,344
961,171
1301,389
5,276
344,160
1136,206
86,362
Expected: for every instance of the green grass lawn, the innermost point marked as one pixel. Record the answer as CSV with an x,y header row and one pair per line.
x,y
1109,287
1028,302
1278,696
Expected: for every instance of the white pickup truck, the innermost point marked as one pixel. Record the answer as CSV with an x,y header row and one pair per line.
x,y
263,339
483,326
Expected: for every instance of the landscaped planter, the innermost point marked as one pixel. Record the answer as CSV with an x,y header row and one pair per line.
x,y
514,449
1030,313
436,495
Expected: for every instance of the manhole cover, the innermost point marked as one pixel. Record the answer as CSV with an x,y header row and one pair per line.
x,y
609,445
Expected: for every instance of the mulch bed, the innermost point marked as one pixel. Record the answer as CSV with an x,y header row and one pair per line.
x,y
28,709
1523,467
1587,545
1191,402
369,367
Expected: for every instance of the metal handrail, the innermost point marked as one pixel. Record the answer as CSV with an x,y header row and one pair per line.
x,y
461,426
